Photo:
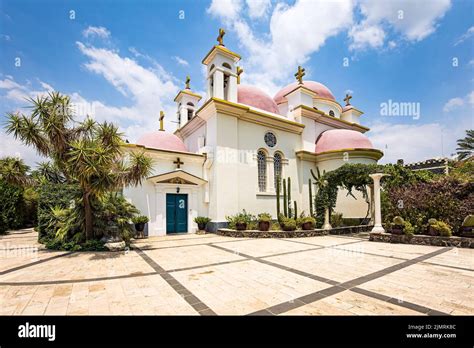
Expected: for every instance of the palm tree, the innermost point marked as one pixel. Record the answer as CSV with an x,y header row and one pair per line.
x,y
466,146
14,171
86,153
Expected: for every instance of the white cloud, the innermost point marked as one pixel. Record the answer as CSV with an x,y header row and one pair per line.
x,y
465,36
12,147
5,37
100,32
258,8
453,104
181,61
228,9
457,102
366,36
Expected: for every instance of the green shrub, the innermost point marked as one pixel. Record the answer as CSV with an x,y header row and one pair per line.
x,y
443,228
408,229
351,221
12,205
264,217
468,221
202,220
241,218
140,219
398,220
288,224
337,220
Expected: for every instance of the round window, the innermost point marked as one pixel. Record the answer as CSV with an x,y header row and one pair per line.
x,y
270,139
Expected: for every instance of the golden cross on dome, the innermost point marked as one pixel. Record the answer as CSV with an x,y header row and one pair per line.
x,y
299,75
162,120
347,99
239,72
220,38
188,80
178,163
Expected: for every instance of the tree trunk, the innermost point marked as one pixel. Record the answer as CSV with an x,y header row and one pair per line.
x,y
87,215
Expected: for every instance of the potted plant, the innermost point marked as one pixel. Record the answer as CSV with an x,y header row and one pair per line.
x,y
202,222
398,225
240,221
288,224
264,220
307,223
439,228
140,222
466,229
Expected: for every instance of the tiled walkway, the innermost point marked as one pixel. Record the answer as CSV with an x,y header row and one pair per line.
x,y
209,274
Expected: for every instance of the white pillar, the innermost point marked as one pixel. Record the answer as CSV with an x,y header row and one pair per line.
x,y
378,214
327,224
232,89
183,115
218,88
371,205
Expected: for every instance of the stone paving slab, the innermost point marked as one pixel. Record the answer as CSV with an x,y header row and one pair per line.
x,y
209,274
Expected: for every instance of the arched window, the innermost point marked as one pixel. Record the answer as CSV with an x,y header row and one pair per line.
x,y
277,167
190,110
262,170
331,113
226,65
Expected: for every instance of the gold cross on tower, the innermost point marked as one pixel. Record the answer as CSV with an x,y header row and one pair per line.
x,y
239,72
162,120
220,38
299,75
347,99
188,80
178,163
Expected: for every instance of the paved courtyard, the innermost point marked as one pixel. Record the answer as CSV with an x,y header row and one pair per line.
x,y
209,274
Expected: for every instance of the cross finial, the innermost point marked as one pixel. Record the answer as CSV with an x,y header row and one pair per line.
x,y
162,120
178,163
188,80
299,75
220,38
347,99
239,72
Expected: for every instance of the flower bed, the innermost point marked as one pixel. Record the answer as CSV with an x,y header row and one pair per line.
x,y
291,234
460,242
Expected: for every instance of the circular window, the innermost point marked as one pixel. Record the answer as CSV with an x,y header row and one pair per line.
x,y
270,139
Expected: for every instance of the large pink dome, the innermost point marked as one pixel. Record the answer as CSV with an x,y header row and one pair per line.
x,y
253,96
340,139
316,87
162,141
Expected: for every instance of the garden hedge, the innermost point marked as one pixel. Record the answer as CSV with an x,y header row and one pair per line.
x,y
12,207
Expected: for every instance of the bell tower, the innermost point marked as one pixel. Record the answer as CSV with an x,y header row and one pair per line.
x,y
221,71
187,102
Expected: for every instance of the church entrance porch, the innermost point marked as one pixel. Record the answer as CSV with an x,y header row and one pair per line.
x,y
176,213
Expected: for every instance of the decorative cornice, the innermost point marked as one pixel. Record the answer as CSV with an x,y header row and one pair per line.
x,y
221,49
337,154
184,91
246,113
324,118
141,147
190,127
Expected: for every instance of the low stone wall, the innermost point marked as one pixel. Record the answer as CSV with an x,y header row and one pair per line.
x,y
350,229
460,242
270,234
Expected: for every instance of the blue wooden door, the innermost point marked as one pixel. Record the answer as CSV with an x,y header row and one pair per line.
x,y
176,213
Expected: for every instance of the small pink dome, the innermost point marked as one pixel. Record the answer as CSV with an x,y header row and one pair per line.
x,y
339,139
316,87
162,141
253,96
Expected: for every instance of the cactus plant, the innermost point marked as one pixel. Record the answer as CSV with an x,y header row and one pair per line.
x,y
278,195
310,185
296,210
288,203
285,202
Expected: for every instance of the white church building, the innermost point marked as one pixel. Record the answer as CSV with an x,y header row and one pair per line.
x,y
228,149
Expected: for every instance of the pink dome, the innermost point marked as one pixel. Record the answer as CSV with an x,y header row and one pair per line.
x,y
339,139
253,96
316,87
162,141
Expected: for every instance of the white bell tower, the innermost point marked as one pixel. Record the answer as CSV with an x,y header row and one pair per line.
x,y
221,71
187,102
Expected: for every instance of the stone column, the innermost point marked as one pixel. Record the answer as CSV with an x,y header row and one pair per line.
x,y
218,88
327,223
270,175
378,214
371,205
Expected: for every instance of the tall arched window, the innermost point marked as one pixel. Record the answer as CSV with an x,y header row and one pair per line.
x,y
262,170
277,167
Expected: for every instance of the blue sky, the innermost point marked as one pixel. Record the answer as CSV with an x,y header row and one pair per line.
x,y
124,61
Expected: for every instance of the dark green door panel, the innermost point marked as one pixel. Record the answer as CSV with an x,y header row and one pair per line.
x,y
176,213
